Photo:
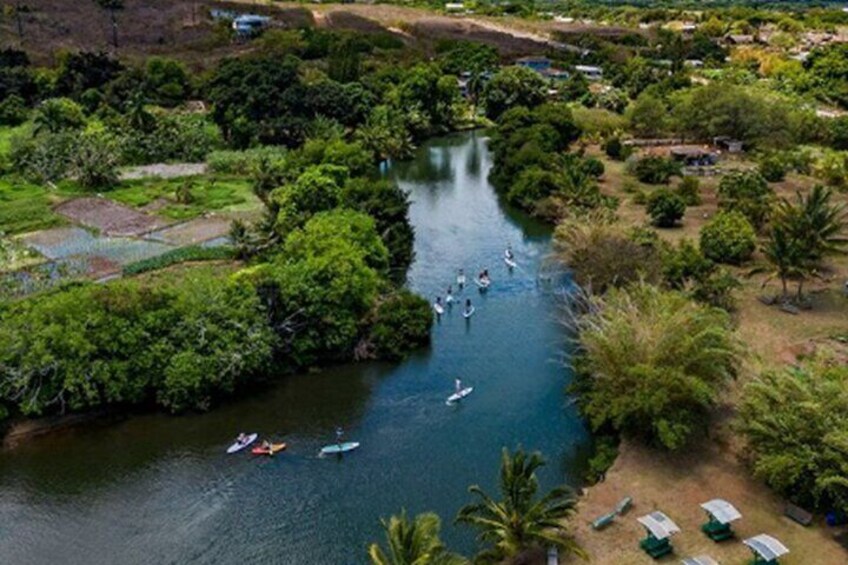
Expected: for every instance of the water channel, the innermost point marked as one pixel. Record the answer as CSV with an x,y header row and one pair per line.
x,y
159,489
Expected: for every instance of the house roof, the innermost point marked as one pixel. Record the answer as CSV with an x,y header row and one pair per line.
x,y
659,525
766,547
721,510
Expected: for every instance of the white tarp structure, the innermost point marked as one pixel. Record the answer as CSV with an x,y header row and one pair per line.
x,y
660,525
721,510
700,560
766,547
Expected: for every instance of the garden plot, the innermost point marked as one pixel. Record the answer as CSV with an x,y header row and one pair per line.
x,y
164,171
47,275
65,243
193,232
109,217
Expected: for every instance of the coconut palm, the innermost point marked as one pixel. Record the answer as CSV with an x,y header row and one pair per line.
x,y
521,521
112,6
413,542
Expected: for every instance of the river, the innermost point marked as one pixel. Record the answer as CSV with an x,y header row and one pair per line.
x,y
159,489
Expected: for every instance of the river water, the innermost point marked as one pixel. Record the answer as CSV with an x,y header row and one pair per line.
x,y
159,489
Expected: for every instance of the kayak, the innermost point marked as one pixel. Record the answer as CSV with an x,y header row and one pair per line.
x,y
339,448
468,313
238,446
275,448
439,309
510,263
457,396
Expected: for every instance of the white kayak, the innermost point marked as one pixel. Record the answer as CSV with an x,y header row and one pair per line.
x,y
510,262
339,448
439,309
238,446
468,312
457,396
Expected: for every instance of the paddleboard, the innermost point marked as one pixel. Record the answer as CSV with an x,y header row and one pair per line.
x,y
483,284
449,298
338,448
439,309
457,396
468,313
236,447
460,280
510,263
275,448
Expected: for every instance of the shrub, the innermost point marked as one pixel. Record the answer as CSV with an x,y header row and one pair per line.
x,y
606,452
746,192
665,208
689,190
95,161
593,167
602,255
795,421
614,149
728,238
652,363
772,168
653,169
244,162
401,324
13,111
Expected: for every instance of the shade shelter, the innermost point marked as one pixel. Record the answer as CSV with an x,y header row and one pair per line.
x,y
721,513
766,549
700,560
660,528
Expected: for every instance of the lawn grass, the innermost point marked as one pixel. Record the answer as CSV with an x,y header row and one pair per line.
x,y
208,194
6,136
25,207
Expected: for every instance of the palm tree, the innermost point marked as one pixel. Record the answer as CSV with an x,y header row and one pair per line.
x,y
113,6
413,542
519,521
821,223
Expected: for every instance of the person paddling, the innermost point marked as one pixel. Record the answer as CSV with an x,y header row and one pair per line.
x,y
508,253
468,306
449,295
457,385
460,279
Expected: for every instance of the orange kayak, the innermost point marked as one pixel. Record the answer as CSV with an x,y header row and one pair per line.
x,y
275,448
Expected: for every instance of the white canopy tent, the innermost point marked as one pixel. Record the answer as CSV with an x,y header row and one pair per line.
x,y
659,525
721,510
700,560
766,547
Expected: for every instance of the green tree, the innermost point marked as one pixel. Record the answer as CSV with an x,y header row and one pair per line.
x,y
728,238
665,208
652,363
57,114
511,87
521,520
647,116
746,192
95,161
796,422
413,542
317,189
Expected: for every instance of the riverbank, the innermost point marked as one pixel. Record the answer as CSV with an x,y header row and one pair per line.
x,y
715,467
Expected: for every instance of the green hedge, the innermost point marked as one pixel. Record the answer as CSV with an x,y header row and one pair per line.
x,y
181,255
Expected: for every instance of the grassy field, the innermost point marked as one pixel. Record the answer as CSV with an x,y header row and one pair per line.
x,y
26,207
207,194
714,467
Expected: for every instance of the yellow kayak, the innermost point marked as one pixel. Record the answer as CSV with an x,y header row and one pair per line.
x,y
275,448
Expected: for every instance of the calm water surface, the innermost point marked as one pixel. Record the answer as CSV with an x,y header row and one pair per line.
x,y
159,489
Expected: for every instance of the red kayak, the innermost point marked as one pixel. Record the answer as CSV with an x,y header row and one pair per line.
x,y
275,448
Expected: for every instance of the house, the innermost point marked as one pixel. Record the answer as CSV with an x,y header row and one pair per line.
x,y
590,72
538,64
250,24
739,39
692,156
555,74
454,7
729,144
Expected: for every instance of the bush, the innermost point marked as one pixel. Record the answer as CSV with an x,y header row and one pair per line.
x,y
653,169
401,324
95,161
665,208
13,111
593,167
728,238
772,168
796,420
614,149
606,452
181,255
689,190
652,363
746,192
602,255
244,163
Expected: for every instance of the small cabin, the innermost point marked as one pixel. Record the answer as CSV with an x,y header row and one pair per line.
x,y
692,156
250,24
729,144
590,72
